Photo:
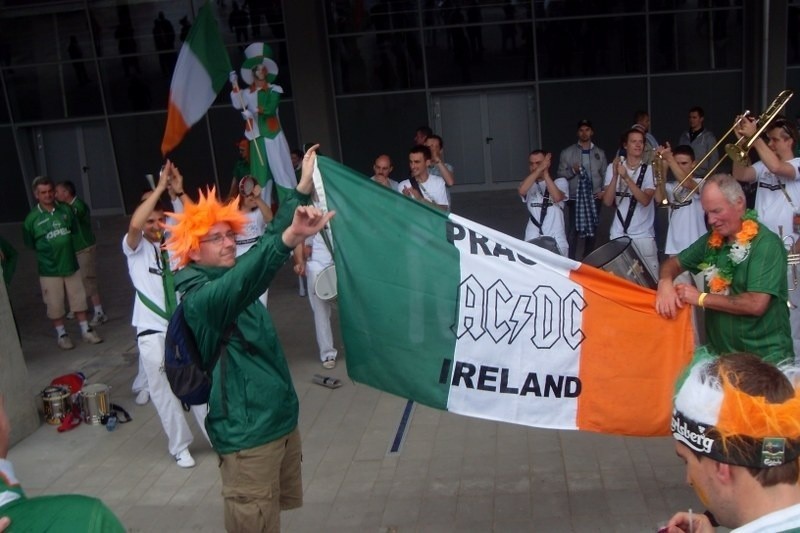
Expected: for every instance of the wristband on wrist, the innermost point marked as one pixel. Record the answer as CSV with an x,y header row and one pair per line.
x,y
701,300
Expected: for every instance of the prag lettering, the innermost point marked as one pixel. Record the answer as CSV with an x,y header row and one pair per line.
x,y
480,245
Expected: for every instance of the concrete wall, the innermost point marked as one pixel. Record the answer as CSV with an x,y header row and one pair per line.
x,y
20,405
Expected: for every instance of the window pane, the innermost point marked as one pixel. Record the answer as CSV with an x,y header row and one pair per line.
x,y
695,41
377,62
18,46
591,47
14,200
34,92
460,55
350,16
399,116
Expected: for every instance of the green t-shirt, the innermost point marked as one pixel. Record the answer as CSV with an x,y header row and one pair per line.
x,y
764,270
83,237
50,234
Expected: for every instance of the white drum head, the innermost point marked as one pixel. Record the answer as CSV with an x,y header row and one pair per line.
x,y
325,285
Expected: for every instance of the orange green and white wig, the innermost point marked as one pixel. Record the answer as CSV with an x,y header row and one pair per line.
x,y
197,220
713,417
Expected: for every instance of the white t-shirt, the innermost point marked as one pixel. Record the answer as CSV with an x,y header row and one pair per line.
x,y
434,189
144,269
686,221
772,206
641,225
392,184
251,232
553,223
783,520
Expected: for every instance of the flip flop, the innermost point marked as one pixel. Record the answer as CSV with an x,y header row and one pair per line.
x,y
326,381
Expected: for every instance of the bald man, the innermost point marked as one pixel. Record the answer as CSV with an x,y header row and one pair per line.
x,y
383,168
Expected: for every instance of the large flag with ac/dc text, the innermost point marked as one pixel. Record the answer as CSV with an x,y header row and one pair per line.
x,y
200,73
458,316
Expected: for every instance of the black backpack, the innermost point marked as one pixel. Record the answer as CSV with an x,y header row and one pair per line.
x,y
189,378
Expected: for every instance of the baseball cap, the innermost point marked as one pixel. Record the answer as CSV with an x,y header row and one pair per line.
x,y
584,122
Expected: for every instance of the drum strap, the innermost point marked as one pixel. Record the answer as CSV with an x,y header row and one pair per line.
x,y
632,203
545,204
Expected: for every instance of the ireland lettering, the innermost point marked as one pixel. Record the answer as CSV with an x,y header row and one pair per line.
x,y
505,381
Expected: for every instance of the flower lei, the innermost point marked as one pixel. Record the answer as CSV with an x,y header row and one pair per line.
x,y
717,271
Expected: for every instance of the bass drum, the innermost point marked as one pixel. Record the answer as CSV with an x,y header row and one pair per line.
x,y
619,257
325,285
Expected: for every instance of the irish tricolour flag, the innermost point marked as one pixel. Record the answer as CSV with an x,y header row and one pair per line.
x,y
200,73
454,315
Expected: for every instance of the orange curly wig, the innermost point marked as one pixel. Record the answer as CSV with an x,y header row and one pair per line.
x,y
196,221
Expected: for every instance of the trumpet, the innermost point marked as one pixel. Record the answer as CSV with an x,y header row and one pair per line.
x,y
737,151
659,179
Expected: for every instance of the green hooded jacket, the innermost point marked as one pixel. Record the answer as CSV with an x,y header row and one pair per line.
x,y
260,399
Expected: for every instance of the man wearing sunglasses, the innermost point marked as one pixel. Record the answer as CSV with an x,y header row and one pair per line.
x,y
778,193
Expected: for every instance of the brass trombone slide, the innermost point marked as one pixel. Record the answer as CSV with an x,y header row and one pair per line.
x,y
737,151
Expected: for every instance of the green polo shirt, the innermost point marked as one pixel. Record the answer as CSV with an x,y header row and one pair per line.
x,y
49,233
764,270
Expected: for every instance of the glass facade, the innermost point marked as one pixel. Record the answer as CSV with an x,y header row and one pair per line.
x,y
394,65
597,59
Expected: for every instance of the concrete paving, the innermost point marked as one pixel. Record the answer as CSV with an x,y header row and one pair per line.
x,y
451,473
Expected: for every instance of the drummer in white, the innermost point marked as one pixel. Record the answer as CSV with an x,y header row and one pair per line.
x,y
310,259
629,186
544,198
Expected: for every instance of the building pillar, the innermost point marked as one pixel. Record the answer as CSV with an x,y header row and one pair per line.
x,y
20,405
309,64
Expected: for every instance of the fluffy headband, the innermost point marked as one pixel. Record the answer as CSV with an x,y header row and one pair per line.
x,y
714,418
197,220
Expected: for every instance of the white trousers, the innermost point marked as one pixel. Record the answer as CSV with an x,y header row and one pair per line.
x,y
168,407
322,313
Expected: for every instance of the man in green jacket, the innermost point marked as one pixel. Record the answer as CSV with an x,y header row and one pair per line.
x,y
253,407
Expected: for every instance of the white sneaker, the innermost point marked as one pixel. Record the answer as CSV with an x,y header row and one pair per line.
x,y
143,397
91,337
185,459
329,363
65,343
99,318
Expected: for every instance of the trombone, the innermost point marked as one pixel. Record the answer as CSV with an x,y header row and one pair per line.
x,y
737,151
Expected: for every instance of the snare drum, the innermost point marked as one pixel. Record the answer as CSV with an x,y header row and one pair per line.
x,y
57,404
325,285
619,257
95,403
